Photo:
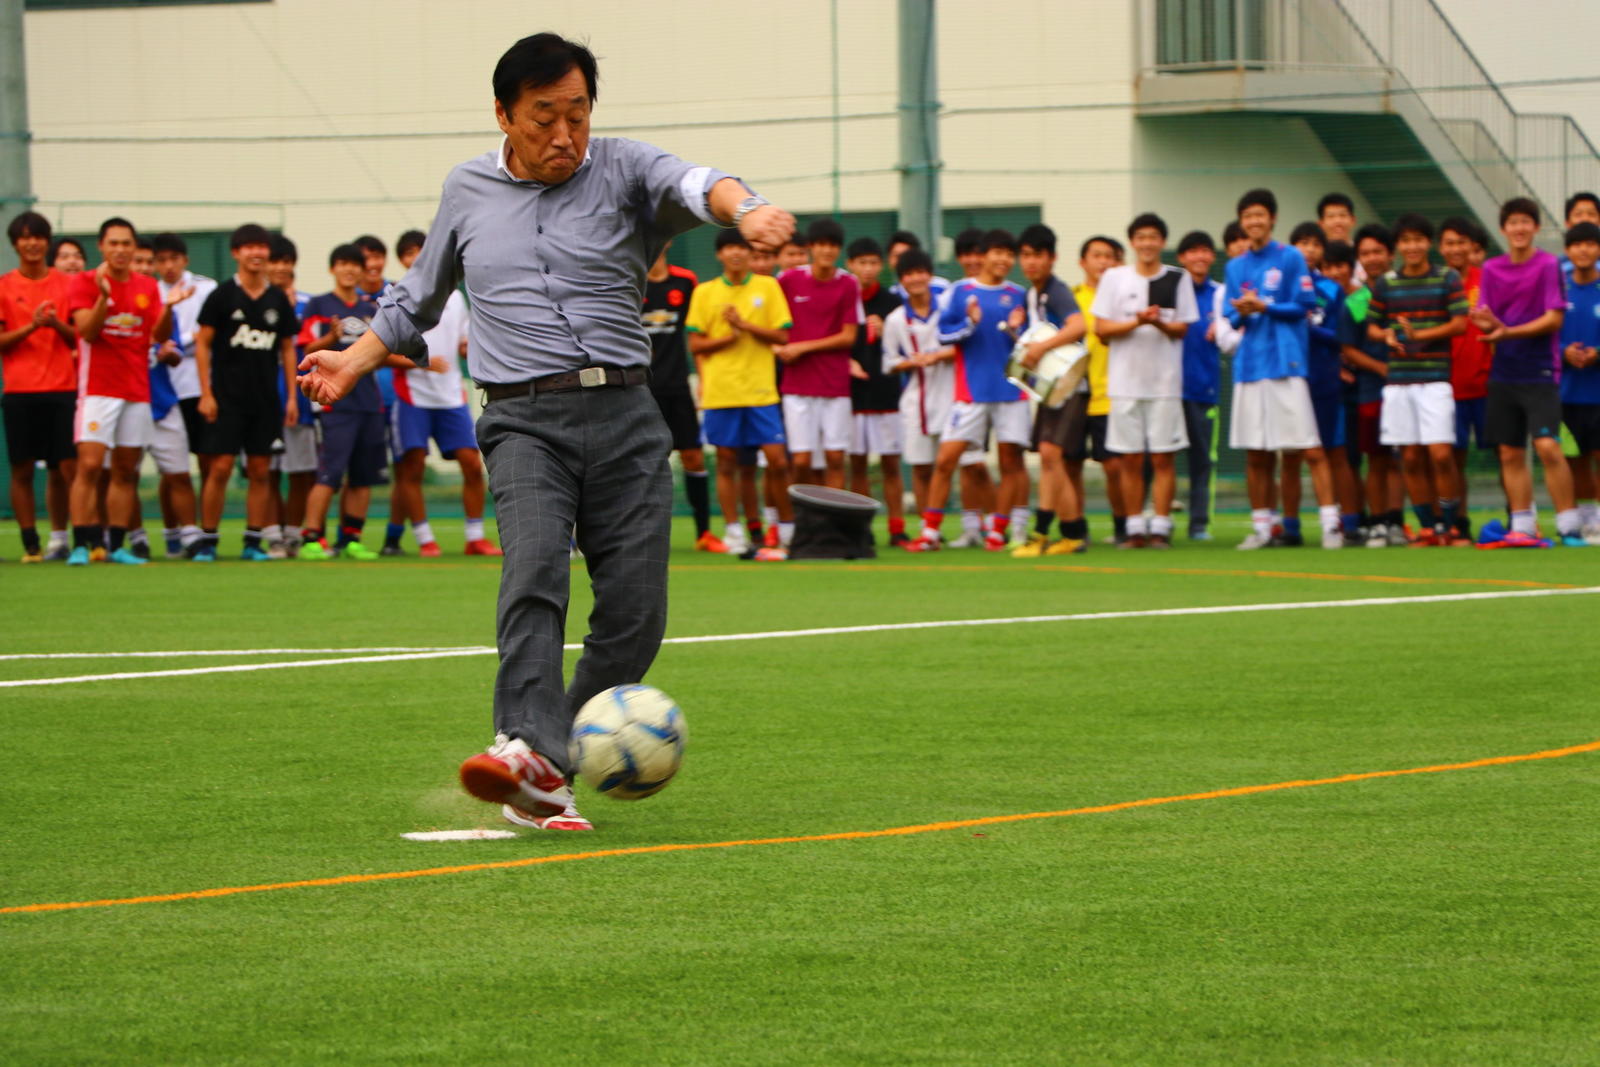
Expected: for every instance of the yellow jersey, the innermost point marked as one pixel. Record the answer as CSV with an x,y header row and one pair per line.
x,y
743,375
1099,354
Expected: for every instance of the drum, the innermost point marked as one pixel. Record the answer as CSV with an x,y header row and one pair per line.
x,y
1052,380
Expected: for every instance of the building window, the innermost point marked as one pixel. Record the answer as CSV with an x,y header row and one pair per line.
x,y
1201,34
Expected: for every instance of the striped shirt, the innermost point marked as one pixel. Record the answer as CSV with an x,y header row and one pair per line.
x,y
1421,302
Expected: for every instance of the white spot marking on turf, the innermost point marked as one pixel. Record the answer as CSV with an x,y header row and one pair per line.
x,y
826,631
186,653
458,835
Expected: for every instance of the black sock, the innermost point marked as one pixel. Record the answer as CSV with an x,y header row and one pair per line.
x,y
350,529
310,534
1043,519
30,540
754,526
1394,517
696,486
1076,529
1119,526
118,535
86,537
252,537
208,537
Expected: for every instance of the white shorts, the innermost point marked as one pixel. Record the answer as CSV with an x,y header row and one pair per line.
x,y
920,449
1011,420
299,449
169,443
1136,426
114,422
817,423
876,434
1422,413
1273,415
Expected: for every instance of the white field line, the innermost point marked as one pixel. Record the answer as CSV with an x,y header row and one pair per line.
x,y
190,653
825,631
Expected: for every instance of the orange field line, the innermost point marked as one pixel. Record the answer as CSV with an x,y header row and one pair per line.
x,y
848,835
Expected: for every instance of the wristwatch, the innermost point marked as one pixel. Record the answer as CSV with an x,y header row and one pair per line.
x,y
747,205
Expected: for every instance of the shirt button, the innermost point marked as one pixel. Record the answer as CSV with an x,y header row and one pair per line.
x,y
547,268
541,229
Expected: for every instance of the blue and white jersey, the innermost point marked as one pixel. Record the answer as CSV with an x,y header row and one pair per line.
x,y
984,348
1202,360
1274,343
307,412
1581,326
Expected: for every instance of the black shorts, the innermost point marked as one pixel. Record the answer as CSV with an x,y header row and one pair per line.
x,y
1519,410
353,445
194,424
39,426
251,426
1584,422
1079,434
682,419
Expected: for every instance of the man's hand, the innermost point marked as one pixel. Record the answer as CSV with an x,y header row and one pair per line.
x,y
1033,353
208,407
787,353
1211,332
1579,355
1248,304
102,280
1017,319
45,314
178,294
767,227
169,353
1150,315
328,376
858,372
291,412
438,364
1392,339
730,315
974,312
1487,322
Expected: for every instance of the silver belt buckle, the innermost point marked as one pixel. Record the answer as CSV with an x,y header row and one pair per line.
x,y
589,377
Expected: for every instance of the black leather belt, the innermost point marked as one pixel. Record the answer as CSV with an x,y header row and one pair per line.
x,y
586,378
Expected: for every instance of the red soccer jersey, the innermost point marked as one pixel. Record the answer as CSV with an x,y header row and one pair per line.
x,y
819,309
1470,355
117,363
41,362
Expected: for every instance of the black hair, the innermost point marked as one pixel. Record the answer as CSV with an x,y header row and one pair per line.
x,y
730,236
903,237
863,246
347,253
1335,200
798,239
1306,230
1339,252
998,238
114,221
1577,198
62,242
369,243
1466,228
541,60
825,232
28,224
1148,220
1038,237
1519,205
407,241
969,240
1100,238
1411,222
1195,239
170,242
283,250
144,244
249,234
1255,198
1377,232
913,259
1232,232
1583,231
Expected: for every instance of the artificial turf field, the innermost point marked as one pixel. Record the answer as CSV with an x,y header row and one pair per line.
x,y
1446,917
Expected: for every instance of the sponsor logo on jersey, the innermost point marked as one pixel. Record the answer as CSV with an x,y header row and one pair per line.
x,y
271,315
237,316
674,297
141,300
252,339
1272,279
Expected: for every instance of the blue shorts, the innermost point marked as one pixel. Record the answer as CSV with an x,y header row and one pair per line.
x,y
410,427
1329,409
352,443
744,427
1472,422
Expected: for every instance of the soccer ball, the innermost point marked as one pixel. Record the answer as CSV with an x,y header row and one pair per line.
x,y
627,741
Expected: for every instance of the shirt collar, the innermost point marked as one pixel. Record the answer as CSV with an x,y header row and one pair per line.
x,y
505,153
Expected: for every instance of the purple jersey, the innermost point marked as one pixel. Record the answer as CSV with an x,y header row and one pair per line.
x,y
1518,293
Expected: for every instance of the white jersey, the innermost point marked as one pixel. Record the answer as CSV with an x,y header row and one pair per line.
x,y
185,323
429,389
1145,364
931,390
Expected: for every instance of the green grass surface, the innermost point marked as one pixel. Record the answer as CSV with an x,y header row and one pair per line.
x,y
1439,918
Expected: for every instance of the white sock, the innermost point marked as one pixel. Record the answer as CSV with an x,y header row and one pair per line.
x,y
188,535
1136,526
1020,518
1588,511
1524,522
138,537
1261,522
474,530
168,533
272,533
1329,513
1567,521
1161,525
770,515
785,533
423,532
971,521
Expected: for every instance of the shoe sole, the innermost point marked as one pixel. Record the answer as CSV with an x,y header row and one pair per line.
x,y
494,783
554,822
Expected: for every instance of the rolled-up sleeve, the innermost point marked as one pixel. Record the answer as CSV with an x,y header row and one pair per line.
x,y
674,189
414,305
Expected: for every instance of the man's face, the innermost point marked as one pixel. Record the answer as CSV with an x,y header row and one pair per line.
x,y
548,127
280,272
1339,273
735,259
372,269
1147,244
791,256
1583,211
824,255
1337,222
1238,247
409,256
1312,250
1198,261
916,283
1519,230
1413,249
1256,221
144,260
1376,259
346,274
763,262
866,269
1584,254
252,258
32,249
1455,249
1037,265
69,259
117,248
1099,258
971,263
170,266
895,251
998,261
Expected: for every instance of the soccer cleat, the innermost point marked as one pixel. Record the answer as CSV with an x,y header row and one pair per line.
x,y
357,550
1134,541
1199,533
33,557
1159,541
994,541
484,547
735,541
1591,534
923,544
1333,538
896,540
1573,540
510,772
567,820
1518,539
1425,539
314,550
204,554
710,542
1067,546
968,540
140,549
78,557
431,550
277,550
391,550
58,554
1255,541
1397,536
771,555
1377,536
97,554
1289,540
127,558
773,538
1032,548
252,554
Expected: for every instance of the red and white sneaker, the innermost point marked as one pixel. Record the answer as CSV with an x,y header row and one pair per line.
x,y
567,820
512,773
923,544
995,541
772,538
429,550
483,547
